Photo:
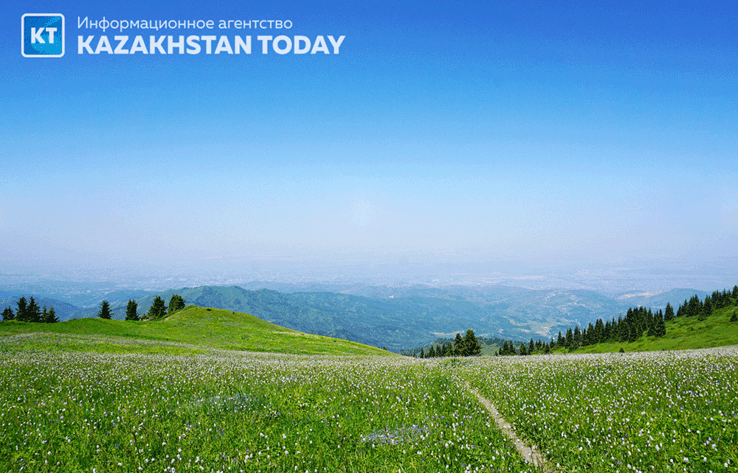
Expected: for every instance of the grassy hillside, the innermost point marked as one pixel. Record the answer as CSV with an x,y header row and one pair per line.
x,y
681,333
198,327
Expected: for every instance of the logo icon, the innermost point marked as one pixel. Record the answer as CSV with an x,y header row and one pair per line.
x,y
42,35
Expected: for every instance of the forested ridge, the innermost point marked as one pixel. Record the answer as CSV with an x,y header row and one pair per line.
x,y
637,322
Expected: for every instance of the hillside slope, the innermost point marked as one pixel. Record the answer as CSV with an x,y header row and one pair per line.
x,y
202,327
681,333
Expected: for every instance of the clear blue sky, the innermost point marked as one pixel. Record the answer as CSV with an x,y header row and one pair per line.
x,y
543,132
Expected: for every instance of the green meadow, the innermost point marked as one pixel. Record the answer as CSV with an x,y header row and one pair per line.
x,y
192,329
216,391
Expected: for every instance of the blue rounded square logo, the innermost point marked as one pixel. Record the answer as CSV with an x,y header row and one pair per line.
x,y
42,35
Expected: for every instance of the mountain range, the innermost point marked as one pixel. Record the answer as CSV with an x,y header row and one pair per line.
x,y
386,316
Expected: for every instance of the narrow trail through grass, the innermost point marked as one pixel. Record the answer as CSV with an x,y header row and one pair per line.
x,y
530,453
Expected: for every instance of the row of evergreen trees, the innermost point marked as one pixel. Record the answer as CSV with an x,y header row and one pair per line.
x,y
29,311
703,309
468,345
637,321
158,309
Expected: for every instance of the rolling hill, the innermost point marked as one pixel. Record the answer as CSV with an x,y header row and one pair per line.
x,y
197,327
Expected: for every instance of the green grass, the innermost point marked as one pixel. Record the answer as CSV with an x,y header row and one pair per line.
x,y
117,396
189,330
648,411
237,411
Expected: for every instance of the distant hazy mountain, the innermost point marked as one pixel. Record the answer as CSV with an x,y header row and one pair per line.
x,y
405,317
398,317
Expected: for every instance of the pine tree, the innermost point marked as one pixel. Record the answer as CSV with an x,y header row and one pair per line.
x,y
660,326
576,338
105,312
523,351
624,333
591,337
431,352
734,317
531,346
51,317
707,307
44,314
157,309
422,353
33,312
8,314
652,331
458,345
20,313
472,346
176,303
668,312
649,320
132,310
635,332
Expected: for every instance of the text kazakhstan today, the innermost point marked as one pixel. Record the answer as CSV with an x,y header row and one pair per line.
x,y
196,44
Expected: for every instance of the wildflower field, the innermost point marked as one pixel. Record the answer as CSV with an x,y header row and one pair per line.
x,y
72,411
656,411
212,410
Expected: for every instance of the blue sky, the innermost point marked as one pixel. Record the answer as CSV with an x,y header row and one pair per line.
x,y
536,132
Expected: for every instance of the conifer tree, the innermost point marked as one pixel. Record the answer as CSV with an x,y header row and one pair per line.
x,y
20,313
132,310
660,326
635,332
707,307
651,331
624,334
599,331
649,320
51,317
104,312
8,314
523,351
431,352
472,347
175,303
157,309
569,338
458,345
33,312
668,312
734,317
422,353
